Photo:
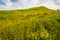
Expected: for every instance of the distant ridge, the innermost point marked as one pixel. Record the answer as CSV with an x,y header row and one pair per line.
x,y
40,8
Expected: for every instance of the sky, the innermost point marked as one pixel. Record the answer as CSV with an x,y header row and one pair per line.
x,y
25,4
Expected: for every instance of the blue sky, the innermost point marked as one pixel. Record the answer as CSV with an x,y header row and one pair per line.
x,y
1,2
14,0
24,4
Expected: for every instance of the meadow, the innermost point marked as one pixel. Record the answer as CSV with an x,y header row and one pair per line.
x,y
38,23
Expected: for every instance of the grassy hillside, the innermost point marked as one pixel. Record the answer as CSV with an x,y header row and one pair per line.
x,y
38,23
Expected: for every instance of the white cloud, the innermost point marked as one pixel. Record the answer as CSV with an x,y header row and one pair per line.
x,y
23,4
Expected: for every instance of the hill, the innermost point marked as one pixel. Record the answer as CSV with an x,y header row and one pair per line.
x,y
39,23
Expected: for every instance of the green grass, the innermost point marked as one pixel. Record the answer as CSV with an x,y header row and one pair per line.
x,y
31,24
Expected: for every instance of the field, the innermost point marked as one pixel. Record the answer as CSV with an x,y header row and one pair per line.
x,y
38,23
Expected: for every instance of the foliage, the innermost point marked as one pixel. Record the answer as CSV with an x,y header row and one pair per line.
x,y
30,24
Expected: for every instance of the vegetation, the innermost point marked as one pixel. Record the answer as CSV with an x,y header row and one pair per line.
x,y
31,24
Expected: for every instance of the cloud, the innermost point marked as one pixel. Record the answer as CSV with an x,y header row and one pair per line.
x,y
23,4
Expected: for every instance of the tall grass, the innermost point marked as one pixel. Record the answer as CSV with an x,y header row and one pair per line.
x,y
16,25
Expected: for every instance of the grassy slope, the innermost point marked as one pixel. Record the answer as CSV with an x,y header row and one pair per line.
x,y
31,24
